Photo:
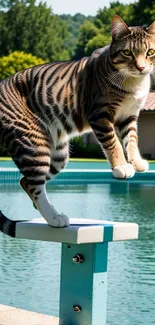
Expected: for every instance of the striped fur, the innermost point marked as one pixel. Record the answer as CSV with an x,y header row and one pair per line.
x,y
42,107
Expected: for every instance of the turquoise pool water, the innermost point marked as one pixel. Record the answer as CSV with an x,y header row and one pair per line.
x,y
75,164
30,270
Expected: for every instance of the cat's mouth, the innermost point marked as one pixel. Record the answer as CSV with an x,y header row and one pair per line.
x,y
138,73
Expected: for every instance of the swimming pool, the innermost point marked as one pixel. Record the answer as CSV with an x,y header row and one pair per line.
x,y
29,270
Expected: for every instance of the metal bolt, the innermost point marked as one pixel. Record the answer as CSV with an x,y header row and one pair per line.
x,y
77,308
78,258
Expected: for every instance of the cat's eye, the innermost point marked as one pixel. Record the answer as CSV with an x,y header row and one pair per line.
x,y
150,52
127,53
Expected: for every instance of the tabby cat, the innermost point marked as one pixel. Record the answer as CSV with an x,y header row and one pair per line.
x,y
42,107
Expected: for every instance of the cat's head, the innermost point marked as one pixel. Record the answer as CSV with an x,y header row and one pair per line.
x,y
132,49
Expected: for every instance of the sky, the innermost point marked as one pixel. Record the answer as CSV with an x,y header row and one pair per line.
x,y
86,7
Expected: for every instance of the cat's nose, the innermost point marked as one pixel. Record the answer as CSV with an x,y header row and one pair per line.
x,y
141,69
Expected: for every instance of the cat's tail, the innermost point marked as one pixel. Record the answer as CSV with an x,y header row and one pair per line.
x,y
8,226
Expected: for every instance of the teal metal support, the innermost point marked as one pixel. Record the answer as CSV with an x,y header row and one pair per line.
x,y
83,286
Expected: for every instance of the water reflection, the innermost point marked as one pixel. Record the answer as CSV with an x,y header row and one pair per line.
x,y
29,270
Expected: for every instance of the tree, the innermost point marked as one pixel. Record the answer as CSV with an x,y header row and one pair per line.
x,y
144,12
96,42
104,16
73,23
32,29
87,31
9,3
98,32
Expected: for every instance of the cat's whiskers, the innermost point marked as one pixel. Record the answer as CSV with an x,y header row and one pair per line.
x,y
110,78
116,79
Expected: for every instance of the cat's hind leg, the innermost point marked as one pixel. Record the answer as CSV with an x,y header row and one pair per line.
x,y
37,193
36,171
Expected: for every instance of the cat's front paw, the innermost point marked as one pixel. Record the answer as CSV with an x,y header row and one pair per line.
x,y
123,171
140,165
59,221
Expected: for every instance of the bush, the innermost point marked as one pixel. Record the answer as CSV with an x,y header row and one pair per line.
x,y
78,149
17,61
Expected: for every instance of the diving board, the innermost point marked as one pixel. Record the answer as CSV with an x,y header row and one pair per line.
x,y
84,259
80,231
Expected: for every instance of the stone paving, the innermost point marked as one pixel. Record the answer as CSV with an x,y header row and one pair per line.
x,y
16,316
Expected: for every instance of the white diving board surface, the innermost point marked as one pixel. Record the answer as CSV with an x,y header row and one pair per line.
x,y
80,231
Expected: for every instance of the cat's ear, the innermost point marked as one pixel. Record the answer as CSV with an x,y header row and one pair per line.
x,y
151,28
119,27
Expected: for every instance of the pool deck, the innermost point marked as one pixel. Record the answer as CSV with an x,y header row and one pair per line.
x,y
15,316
